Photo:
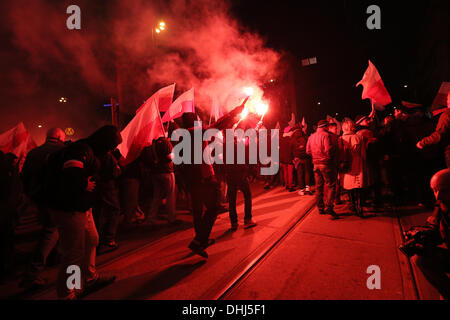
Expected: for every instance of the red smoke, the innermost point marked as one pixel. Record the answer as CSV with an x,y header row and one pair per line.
x,y
203,47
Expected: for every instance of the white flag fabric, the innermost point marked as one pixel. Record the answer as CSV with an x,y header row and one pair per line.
x,y
373,87
164,97
183,104
142,129
216,111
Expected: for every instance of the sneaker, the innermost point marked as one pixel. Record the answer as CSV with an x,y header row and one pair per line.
x,y
234,226
301,192
196,248
108,247
96,284
72,295
267,187
333,214
291,189
321,211
249,224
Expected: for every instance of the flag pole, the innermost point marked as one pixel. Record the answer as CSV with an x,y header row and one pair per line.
x,y
372,113
162,124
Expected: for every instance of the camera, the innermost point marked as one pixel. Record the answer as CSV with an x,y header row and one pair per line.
x,y
419,237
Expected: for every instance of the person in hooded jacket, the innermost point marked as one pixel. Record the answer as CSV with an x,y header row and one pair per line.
x,y
302,161
201,183
70,195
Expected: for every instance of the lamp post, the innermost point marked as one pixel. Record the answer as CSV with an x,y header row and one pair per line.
x,y
158,29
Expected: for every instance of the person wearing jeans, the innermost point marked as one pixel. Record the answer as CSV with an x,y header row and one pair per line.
x,y
163,187
70,195
322,151
157,157
78,243
325,176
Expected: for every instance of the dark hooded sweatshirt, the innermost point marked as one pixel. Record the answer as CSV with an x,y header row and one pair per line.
x,y
71,167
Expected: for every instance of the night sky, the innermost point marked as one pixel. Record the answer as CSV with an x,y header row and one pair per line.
x,y
411,48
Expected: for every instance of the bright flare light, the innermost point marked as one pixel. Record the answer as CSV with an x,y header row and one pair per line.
x,y
157,30
162,24
248,91
261,108
244,114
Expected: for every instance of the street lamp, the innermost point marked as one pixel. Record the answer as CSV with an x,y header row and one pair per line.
x,y
158,29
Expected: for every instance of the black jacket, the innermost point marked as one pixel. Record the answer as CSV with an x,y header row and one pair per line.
x,y
71,167
33,170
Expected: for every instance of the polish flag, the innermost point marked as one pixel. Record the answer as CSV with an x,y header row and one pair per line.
x,y
183,104
164,97
17,141
216,111
373,87
142,129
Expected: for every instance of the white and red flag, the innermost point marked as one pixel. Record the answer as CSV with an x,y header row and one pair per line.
x,y
17,141
142,129
216,110
164,97
183,104
373,88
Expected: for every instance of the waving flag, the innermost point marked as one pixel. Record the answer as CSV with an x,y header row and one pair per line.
x,y
216,111
184,103
373,88
164,97
142,129
17,141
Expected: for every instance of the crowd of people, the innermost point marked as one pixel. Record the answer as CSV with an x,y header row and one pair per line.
x,y
83,192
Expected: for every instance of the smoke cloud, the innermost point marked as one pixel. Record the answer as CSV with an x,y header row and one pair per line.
x,y
203,47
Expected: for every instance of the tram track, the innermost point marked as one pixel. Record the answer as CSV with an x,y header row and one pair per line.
x,y
229,283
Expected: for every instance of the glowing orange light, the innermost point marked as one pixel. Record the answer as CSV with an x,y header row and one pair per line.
x,y
69,131
162,24
157,30
162,27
